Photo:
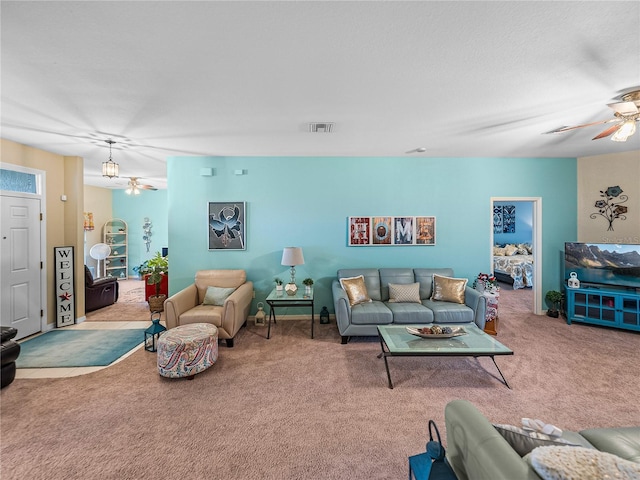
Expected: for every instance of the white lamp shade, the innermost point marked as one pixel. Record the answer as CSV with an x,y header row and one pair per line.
x,y
292,256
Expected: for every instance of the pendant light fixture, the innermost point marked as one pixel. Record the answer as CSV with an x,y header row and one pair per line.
x,y
110,168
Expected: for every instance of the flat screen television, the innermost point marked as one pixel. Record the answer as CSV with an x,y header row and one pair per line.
x,y
600,264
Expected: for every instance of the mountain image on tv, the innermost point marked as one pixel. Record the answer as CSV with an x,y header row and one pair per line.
x,y
604,263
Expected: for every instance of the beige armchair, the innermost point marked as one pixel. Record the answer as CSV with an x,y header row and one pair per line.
x,y
186,306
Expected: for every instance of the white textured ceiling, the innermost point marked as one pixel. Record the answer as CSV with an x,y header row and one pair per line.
x,y
472,79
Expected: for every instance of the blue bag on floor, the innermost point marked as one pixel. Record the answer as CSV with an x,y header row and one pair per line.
x,y
431,465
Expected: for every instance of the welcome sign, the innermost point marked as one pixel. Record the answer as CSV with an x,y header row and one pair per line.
x,y
65,293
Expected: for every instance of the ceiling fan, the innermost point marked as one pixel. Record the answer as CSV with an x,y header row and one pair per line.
x,y
626,114
134,187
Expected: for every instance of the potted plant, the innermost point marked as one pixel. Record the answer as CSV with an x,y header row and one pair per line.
x,y
554,299
142,269
158,269
279,286
308,282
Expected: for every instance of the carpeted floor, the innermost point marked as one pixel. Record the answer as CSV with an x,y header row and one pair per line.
x,y
131,305
296,408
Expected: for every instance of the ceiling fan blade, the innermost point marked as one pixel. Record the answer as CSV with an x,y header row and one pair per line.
x,y
565,128
147,187
608,131
624,108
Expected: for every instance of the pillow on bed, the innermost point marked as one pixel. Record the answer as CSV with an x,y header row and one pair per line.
x,y
498,251
528,249
510,250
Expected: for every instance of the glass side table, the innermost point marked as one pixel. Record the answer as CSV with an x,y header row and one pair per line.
x,y
279,298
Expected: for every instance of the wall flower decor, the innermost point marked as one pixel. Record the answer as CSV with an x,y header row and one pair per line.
x,y
609,207
146,229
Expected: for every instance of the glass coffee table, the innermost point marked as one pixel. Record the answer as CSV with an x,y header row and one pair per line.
x,y
396,341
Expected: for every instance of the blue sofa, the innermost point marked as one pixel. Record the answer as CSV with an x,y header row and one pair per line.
x,y
363,319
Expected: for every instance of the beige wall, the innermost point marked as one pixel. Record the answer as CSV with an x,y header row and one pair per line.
x,y
97,200
599,173
64,176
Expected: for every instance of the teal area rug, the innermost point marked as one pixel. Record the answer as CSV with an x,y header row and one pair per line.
x,y
78,348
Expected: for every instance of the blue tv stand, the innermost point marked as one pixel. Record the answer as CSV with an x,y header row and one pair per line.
x,y
603,306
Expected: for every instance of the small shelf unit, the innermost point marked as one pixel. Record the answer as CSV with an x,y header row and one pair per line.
x,y
115,233
602,306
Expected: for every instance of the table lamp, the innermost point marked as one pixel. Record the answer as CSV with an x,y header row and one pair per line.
x,y
292,256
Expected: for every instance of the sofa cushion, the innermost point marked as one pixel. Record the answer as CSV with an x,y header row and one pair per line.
x,y
562,463
409,293
408,313
524,441
446,312
447,289
356,290
217,295
623,441
371,313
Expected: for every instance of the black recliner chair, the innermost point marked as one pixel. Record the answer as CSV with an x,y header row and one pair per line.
x,y
99,293
8,355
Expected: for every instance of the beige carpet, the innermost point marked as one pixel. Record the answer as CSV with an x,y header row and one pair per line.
x,y
295,408
131,305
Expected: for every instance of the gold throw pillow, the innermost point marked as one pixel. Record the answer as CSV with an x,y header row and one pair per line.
x,y
447,289
356,290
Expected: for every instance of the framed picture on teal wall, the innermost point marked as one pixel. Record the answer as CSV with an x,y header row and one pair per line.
x,y
425,230
389,231
227,226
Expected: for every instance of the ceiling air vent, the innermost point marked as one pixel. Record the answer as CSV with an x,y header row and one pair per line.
x,y
320,127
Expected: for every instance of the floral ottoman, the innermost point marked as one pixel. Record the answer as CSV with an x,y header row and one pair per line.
x,y
188,349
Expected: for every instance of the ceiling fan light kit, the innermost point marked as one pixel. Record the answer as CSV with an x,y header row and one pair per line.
x,y
626,113
134,188
110,169
627,129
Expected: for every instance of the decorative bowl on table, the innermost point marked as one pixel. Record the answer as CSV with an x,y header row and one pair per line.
x,y
437,331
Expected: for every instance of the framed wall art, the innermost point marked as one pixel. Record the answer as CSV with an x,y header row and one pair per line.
x,y
359,230
425,230
401,230
227,225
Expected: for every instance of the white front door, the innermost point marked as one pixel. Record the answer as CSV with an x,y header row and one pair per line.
x,y
20,264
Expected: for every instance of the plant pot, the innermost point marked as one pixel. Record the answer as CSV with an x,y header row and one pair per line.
x,y
553,313
156,303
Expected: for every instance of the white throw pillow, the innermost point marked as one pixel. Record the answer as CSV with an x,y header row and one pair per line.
x,y
579,463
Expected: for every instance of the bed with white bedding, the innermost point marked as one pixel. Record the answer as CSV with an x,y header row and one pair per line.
x,y
514,264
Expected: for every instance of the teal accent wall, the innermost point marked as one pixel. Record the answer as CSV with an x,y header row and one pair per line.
x,y
305,201
133,209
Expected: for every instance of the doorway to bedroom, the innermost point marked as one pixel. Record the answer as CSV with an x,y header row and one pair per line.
x,y
515,247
